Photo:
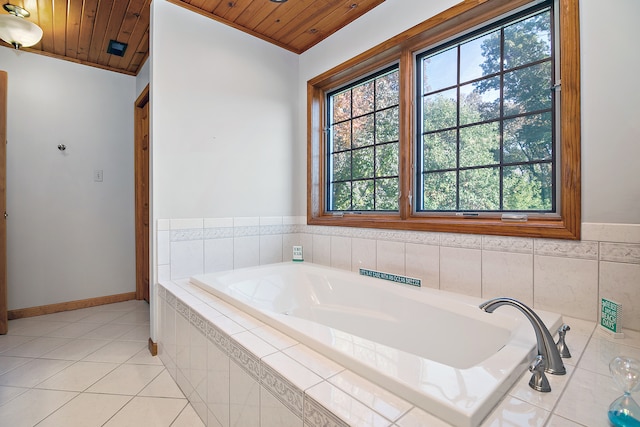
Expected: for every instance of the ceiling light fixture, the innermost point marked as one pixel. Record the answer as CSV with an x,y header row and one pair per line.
x,y
116,48
16,30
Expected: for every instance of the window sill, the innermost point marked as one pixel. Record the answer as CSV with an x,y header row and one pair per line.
x,y
552,228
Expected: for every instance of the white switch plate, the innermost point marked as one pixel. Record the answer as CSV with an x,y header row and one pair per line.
x,y
97,175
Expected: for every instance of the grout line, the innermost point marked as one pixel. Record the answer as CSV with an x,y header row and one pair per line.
x,y
132,326
118,411
180,414
573,371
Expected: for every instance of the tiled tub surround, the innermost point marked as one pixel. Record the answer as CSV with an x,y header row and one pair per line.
x,y
237,371
563,276
435,349
566,277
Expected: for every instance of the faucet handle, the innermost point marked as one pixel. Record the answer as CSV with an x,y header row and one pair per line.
x,y
561,344
539,381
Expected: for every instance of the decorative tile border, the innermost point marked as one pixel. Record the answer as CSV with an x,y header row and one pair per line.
x,y
219,338
224,227
186,235
566,249
507,244
289,229
316,415
267,230
182,308
246,231
391,236
218,233
467,241
290,395
620,252
198,321
246,359
171,300
423,238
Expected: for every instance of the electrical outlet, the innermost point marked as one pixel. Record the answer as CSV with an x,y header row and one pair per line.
x,y
97,175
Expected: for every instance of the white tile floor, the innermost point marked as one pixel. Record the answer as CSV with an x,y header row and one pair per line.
x,y
87,367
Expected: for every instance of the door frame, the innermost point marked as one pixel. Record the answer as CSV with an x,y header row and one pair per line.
x,y
141,185
4,322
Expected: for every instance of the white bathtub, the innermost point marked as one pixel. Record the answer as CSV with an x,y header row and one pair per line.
x,y
435,349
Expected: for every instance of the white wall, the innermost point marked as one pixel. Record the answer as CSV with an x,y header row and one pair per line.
x,y
142,78
610,93
610,111
69,237
224,108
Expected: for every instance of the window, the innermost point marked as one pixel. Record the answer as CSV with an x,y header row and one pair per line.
x,y
363,145
485,118
452,125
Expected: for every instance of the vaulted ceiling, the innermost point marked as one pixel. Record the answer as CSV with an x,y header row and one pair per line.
x,y
80,30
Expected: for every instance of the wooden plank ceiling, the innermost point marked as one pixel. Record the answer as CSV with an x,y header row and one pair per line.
x,y
80,30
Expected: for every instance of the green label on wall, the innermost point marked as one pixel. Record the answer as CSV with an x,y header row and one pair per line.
x,y
391,277
610,315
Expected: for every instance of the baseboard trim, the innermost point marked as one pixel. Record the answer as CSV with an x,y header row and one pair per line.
x,y
153,347
70,305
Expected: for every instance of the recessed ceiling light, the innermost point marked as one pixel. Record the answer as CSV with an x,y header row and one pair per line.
x,y
116,48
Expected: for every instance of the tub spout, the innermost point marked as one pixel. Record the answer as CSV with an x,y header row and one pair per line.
x,y
546,346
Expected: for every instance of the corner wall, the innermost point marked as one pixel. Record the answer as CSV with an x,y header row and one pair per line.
x,y
224,109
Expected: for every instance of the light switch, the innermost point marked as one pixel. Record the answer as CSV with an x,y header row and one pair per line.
x,y
97,175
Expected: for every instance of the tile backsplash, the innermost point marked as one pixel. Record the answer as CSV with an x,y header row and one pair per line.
x,y
568,277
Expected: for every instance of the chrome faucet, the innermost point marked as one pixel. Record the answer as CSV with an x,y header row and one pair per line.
x,y
546,346
539,381
561,344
